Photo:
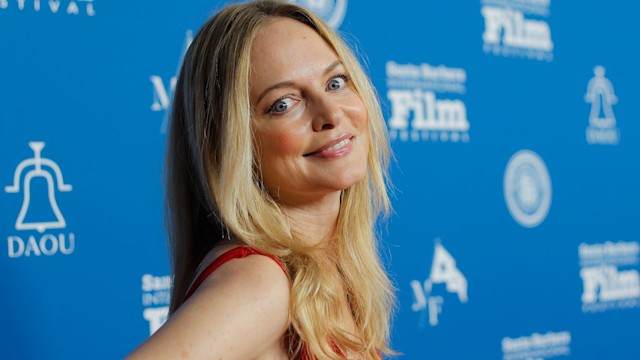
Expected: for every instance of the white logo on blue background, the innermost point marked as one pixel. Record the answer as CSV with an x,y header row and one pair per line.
x,y
426,103
443,271
156,296
537,346
527,188
46,169
602,122
517,28
38,179
331,11
161,95
79,7
610,275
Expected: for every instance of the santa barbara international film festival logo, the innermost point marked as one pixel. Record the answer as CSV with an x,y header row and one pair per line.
x,y
517,28
602,122
38,178
443,271
609,272
156,294
537,346
163,89
66,7
426,103
331,11
527,188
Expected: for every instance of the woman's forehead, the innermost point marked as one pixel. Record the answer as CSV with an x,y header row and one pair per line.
x,y
285,49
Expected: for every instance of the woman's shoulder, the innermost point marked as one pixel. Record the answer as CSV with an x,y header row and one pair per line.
x,y
238,265
224,253
248,294
241,310
243,272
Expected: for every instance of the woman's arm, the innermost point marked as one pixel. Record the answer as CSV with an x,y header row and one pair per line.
x,y
239,312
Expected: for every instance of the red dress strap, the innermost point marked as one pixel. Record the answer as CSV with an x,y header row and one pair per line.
x,y
235,253
305,353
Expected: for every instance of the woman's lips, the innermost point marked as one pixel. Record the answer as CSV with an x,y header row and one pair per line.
x,y
335,148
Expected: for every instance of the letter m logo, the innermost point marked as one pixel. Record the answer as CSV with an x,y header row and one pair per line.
x,y
161,97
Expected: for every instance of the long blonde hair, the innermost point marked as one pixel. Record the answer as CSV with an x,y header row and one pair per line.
x,y
214,193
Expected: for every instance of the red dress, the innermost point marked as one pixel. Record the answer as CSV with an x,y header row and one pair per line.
x,y
237,253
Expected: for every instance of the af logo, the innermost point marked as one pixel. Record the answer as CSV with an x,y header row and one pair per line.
x,y
602,123
527,188
38,178
443,271
331,11
161,94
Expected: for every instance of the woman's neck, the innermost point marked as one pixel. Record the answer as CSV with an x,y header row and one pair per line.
x,y
314,221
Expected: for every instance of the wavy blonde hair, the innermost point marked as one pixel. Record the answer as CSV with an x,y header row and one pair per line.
x,y
214,193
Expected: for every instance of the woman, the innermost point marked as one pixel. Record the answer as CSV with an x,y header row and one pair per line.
x,y
277,148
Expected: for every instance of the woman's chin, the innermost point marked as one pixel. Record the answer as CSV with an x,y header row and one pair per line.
x,y
350,180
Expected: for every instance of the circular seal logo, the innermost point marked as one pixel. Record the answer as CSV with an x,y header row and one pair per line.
x,y
331,11
527,188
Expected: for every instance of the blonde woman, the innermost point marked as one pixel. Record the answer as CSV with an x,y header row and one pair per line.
x,y
277,162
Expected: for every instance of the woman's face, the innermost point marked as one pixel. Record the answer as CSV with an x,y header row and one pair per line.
x,y
310,124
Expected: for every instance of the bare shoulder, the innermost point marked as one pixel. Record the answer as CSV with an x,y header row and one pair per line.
x,y
239,312
253,279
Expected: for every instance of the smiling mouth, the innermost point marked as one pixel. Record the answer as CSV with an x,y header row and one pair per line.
x,y
338,145
342,143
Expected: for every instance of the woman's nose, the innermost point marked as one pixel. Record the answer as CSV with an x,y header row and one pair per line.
x,y
327,114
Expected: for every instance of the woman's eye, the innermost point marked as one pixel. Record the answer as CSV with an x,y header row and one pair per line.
x,y
281,105
337,83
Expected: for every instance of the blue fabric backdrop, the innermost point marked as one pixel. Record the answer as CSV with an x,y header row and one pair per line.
x,y
515,126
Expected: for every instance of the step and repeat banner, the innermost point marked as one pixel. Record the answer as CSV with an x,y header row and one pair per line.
x,y
515,126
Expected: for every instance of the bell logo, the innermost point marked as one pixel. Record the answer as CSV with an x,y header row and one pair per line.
x,y
443,271
42,174
602,122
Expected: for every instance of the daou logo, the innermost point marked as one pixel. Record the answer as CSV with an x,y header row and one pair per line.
x,y
509,33
527,188
602,122
331,11
72,7
443,271
39,211
162,94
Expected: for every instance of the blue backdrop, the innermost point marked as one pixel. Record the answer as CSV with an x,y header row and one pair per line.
x,y
516,131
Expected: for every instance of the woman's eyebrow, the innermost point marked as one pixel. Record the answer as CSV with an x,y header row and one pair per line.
x,y
287,83
273,87
333,65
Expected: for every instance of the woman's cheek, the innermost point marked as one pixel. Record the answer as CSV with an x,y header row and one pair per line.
x,y
287,139
356,110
